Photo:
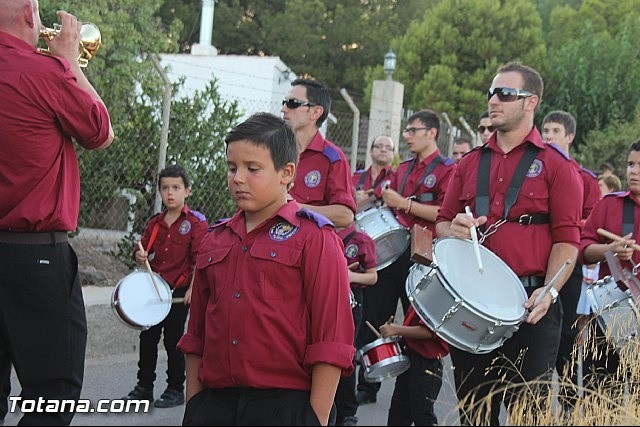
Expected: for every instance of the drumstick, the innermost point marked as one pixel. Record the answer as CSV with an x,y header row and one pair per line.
x,y
551,282
153,279
374,330
612,236
474,237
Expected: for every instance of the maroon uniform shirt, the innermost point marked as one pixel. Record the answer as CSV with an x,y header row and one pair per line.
x,y
432,348
42,109
607,214
323,176
360,248
433,186
173,252
268,305
361,180
551,186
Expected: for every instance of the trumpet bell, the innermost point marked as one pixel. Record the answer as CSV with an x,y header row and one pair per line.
x,y
90,41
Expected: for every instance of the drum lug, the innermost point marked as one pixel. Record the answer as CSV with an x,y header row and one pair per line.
x,y
449,314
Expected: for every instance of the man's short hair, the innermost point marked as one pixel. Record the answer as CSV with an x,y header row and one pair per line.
x,y
532,79
317,94
428,117
564,118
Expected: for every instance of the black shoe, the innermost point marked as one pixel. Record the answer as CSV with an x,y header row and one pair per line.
x,y
364,397
170,398
348,421
140,393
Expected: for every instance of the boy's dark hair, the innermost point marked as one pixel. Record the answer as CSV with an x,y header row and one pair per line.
x,y
317,94
174,171
484,115
564,118
532,79
611,181
607,165
267,130
428,118
634,147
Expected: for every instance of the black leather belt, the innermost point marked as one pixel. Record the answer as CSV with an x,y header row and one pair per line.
x,y
532,282
31,238
530,219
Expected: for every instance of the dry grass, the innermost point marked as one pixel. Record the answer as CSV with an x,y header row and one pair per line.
x,y
612,402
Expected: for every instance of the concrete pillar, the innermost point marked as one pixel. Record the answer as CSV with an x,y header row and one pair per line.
x,y
386,112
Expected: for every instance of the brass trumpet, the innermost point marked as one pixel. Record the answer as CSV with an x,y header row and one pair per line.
x,y
90,40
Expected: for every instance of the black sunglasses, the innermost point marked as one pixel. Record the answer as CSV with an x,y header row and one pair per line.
x,y
293,103
508,94
481,128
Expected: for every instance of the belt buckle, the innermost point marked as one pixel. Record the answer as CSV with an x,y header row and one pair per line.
x,y
525,219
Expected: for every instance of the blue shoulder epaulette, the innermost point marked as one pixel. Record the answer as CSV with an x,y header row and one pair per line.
x,y
410,159
319,219
447,161
614,194
360,171
331,154
589,172
218,223
198,215
560,150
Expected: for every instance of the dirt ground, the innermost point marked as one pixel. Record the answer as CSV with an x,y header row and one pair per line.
x,y
96,264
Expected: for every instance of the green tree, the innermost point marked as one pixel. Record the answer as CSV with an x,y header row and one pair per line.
x,y
447,60
595,78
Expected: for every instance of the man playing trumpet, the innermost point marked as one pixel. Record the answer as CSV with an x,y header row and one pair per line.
x,y
47,103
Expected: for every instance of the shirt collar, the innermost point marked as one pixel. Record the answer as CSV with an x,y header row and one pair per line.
x,y
8,40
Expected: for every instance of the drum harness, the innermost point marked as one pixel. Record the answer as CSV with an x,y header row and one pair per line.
x,y
424,197
627,224
378,181
482,196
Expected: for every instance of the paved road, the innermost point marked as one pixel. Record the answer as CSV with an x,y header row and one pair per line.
x,y
111,367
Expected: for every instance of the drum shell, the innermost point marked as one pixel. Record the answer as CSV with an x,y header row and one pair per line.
x,y
615,312
383,359
391,237
467,325
136,303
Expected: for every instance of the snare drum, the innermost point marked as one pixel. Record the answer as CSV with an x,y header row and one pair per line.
x,y
615,312
475,312
383,359
391,238
136,302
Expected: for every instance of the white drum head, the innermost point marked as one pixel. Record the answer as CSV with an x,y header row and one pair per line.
x,y
496,292
136,300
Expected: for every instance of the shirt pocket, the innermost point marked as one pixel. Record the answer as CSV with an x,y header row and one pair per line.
x,y
533,198
210,261
279,270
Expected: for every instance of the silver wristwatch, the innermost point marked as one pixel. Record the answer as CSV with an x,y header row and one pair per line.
x,y
554,294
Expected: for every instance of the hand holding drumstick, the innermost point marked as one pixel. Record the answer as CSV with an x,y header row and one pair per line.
x,y
389,328
142,255
622,247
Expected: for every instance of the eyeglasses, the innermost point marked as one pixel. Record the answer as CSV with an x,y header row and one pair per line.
x,y
481,128
508,94
412,131
293,103
381,146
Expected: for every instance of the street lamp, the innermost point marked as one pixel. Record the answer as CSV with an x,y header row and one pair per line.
x,y
389,63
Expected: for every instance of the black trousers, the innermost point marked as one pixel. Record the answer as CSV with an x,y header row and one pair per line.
x,y
380,303
415,392
346,402
601,368
251,407
43,326
567,361
528,355
173,328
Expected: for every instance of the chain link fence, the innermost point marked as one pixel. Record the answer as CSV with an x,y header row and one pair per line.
x,y
119,184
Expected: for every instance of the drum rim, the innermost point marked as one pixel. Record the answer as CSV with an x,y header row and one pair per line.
x,y
403,367
379,341
120,313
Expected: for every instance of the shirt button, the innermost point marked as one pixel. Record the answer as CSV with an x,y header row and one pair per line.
x,y
237,295
500,179
273,254
234,342
504,156
244,249
210,259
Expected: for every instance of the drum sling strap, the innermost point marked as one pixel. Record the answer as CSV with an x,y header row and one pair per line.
x,y
482,196
427,171
363,178
152,238
627,216
346,239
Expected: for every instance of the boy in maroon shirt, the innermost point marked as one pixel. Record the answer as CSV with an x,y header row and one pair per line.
x,y
271,330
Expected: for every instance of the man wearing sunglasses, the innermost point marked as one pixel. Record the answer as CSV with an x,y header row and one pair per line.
x,y
485,128
323,178
559,128
527,201
415,191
